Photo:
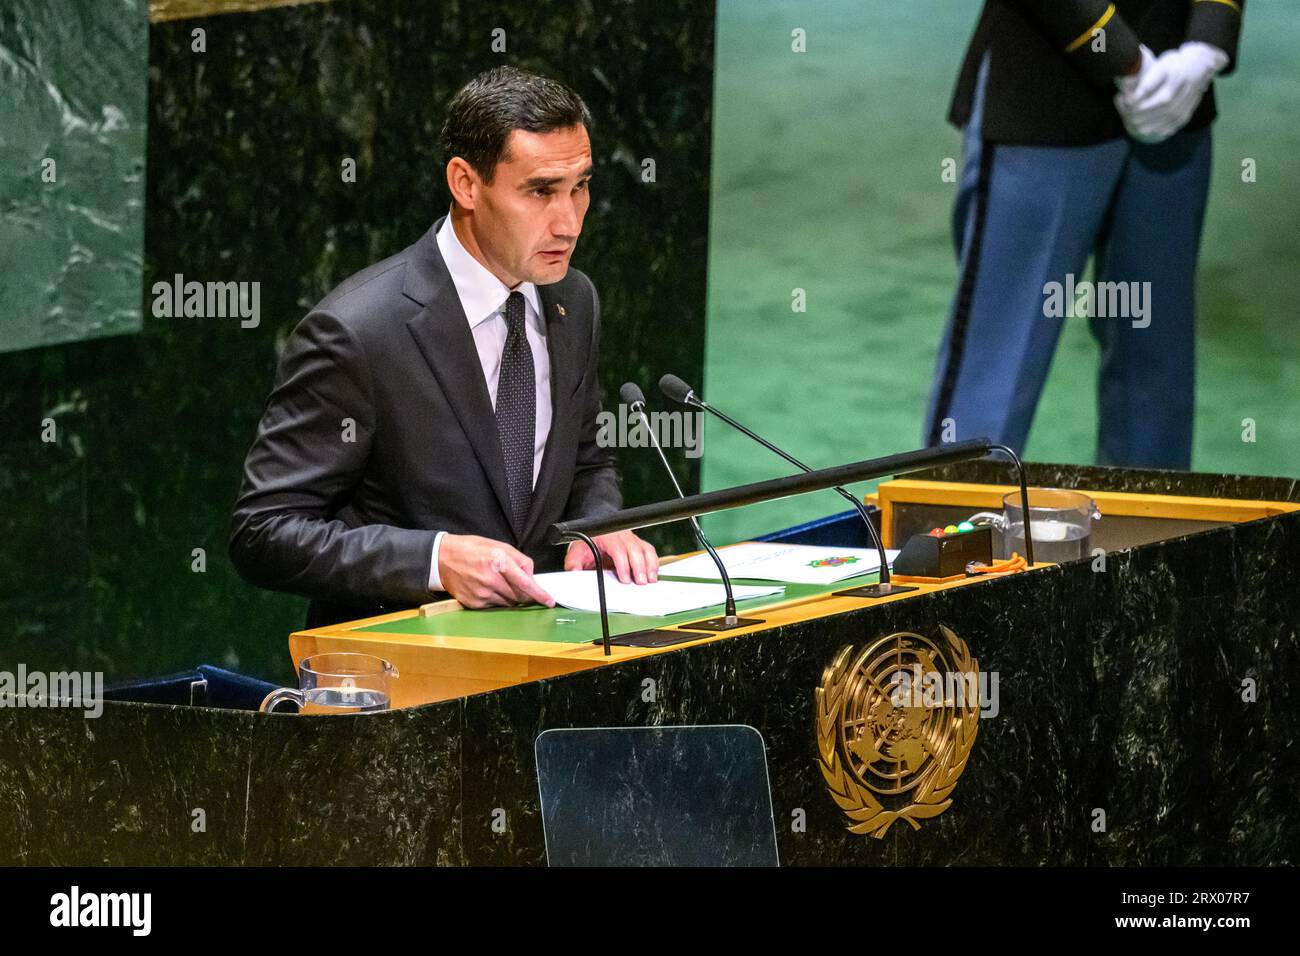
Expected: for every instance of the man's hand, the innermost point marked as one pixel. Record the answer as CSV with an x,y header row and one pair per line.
x,y
479,572
1141,67
633,559
1165,93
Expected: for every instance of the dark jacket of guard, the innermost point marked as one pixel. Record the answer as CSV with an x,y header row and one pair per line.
x,y
1050,84
379,432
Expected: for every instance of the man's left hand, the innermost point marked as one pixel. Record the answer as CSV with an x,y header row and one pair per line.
x,y
633,558
1167,92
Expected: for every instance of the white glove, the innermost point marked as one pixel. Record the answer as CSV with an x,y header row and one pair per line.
x,y
1127,84
1160,100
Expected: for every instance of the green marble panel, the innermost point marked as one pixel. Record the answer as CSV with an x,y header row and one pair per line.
x,y
72,158
140,785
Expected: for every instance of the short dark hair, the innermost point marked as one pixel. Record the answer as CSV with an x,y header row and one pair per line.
x,y
482,114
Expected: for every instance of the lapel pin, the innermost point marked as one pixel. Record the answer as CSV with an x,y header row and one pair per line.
x,y
560,309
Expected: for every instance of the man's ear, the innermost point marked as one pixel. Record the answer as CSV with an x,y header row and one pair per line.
x,y
462,181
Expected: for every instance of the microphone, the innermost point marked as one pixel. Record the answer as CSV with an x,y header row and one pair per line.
x,y
678,391
632,396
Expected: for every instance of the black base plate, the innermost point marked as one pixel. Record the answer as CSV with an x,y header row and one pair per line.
x,y
651,638
874,591
720,624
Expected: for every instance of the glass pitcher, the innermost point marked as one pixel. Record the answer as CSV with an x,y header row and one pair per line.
x,y
1061,522
340,682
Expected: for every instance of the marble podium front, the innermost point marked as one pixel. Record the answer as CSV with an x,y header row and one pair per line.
x,y
1158,691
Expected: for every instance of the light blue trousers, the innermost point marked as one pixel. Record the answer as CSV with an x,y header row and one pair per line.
x,y
1030,216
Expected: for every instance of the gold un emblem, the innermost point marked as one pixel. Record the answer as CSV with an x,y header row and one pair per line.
x,y
895,726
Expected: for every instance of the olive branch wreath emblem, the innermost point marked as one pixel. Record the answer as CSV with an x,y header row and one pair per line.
x,y
859,803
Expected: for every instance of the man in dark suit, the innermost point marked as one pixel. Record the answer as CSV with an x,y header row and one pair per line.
x,y
436,413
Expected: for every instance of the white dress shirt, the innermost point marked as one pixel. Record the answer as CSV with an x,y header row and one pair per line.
x,y
483,297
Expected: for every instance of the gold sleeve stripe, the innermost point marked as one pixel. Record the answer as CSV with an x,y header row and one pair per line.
x,y
1227,3
1086,35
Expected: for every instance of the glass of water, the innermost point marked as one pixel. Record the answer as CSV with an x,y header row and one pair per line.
x,y
1061,522
340,682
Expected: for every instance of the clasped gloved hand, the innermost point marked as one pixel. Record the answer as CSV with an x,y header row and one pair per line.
x,y
1161,97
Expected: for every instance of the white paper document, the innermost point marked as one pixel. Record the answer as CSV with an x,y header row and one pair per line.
x,y
796,563
577,590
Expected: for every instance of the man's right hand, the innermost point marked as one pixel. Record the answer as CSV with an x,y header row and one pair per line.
x,y
1140,69
479,572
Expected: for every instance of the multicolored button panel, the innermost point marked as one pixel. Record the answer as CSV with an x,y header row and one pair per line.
x,y
961,528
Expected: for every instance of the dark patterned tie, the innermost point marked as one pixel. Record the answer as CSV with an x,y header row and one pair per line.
x,y
516,410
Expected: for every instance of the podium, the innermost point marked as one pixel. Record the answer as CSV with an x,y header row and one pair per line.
x,y
453,652
1130,711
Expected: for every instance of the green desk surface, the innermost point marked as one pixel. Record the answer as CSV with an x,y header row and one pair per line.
x,y
559,625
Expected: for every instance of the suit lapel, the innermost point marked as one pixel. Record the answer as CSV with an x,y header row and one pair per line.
x,y
442,333
567,349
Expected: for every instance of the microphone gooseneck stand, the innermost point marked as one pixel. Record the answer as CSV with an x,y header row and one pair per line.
x,y
680,392
773,489
635,400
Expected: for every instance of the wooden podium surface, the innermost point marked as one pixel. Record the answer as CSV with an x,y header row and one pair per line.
x,y
439,666
456,652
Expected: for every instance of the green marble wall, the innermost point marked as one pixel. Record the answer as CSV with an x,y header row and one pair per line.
x,y
246,144
72,144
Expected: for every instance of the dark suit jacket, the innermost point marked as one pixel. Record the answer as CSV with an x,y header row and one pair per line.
x,y
379,432
1045,88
